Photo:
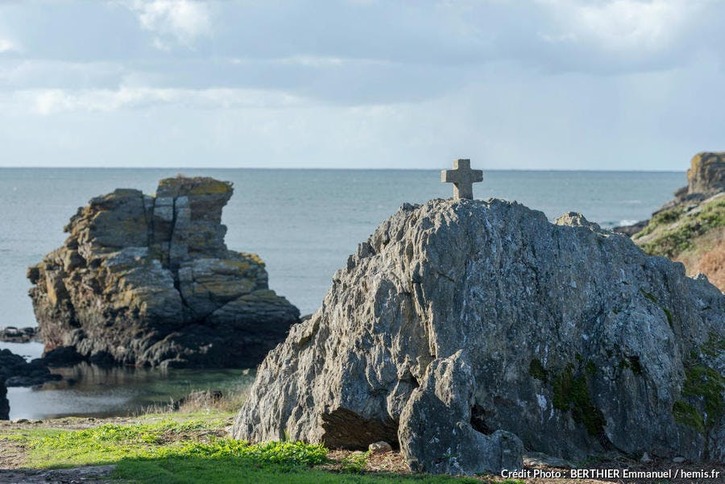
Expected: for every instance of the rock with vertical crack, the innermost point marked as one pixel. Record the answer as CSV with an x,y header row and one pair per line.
x,y
460,327
149,281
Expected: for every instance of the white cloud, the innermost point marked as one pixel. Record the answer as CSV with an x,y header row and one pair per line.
x,y
8,46
54,101
621,25
183,21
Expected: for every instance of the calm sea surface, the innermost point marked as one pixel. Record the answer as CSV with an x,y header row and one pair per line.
x,y
303,223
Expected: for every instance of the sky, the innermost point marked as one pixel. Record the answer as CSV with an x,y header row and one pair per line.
x,y
414,84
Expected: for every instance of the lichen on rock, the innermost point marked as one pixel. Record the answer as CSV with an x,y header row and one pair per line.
x,y
149,281
470,327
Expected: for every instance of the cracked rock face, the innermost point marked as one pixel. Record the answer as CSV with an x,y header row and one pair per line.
x,y
149,281
464,331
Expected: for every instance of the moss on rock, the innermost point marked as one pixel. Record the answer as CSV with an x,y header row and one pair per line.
x,y
688,415
537,370
705,385
571,393
702,402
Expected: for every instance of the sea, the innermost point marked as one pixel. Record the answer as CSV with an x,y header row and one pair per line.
x,y
303,223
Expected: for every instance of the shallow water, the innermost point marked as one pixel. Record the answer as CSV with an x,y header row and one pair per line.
x,y
88,390
26,350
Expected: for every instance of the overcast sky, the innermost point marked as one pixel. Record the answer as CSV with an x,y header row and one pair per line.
x,y
540,84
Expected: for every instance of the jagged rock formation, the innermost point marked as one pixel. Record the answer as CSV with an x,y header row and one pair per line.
x,y
459,325
149,281
691,228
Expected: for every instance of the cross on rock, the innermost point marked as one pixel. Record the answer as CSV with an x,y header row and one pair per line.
x,y
462,178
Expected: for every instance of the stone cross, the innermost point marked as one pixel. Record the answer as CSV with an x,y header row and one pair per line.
x,y
462,178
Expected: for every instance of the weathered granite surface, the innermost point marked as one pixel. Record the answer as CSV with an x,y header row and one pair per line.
x,y
145,280
459,325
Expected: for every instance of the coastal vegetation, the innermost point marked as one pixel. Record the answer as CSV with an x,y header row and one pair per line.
x,y
676,230
189,447
691,228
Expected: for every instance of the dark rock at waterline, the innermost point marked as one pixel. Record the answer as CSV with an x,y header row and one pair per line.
x,y
4,403
149,281
15,371
630,230
62,356
467,325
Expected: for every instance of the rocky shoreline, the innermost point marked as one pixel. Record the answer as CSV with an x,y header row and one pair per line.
x,y
15,370
560,338
691,227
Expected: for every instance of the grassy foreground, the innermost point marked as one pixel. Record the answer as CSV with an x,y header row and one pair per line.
x,y
191,448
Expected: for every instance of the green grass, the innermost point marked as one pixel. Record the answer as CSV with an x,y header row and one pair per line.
x,y
175,448
232,470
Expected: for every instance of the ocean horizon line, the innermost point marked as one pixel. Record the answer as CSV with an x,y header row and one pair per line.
x,y
256,168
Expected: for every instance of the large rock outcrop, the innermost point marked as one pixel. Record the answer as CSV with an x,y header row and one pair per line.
x,y
460,325
691,228
149,281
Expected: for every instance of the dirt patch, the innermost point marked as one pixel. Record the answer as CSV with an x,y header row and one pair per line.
x,y
708,258
89,474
